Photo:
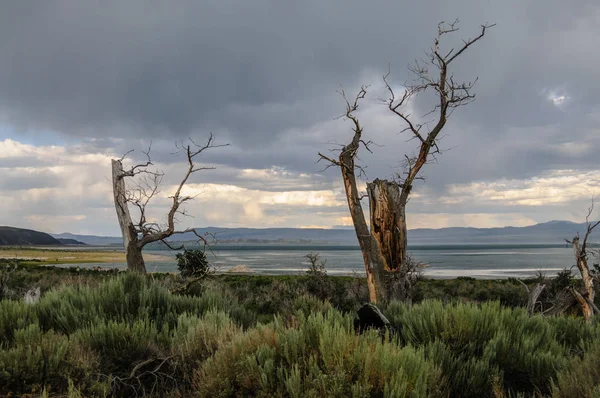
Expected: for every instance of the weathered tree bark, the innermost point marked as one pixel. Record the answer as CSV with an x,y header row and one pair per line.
x,y
533,298
388,222
388,229
133,252
368,245
570,296
532,295
586,299
134,258
583,302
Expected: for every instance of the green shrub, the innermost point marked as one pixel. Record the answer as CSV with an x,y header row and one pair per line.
x,y
14,315
125,298
120,344
196,339
582,377
318,283
192,263
40,361
309,304
479,347
130,336
321,357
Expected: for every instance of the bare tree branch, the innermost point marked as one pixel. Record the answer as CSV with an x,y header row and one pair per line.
x,y
383,244
451,94
138,234
192,151
581,257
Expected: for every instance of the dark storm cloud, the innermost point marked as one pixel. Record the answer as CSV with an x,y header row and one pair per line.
x,y
262,76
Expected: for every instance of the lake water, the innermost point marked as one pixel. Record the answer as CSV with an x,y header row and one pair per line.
x,y
478,261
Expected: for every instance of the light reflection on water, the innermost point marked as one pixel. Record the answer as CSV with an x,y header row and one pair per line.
x,y
443,262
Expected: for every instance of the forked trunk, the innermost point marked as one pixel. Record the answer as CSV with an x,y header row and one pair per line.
x,y
388,230
384,245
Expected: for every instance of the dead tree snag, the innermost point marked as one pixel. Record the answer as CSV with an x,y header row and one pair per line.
x,y
384,244
139,233
580,248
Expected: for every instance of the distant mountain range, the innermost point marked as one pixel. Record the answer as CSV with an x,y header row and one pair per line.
x,y
552,232
11,236
91,239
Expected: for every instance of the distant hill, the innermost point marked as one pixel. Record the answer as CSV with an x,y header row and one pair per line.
x,y
552,232
10,236
72,242
91,239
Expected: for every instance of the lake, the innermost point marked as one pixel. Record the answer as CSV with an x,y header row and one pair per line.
x,y
478,261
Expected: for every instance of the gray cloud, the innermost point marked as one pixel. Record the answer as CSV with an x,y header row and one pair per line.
x,y
263,75
16,180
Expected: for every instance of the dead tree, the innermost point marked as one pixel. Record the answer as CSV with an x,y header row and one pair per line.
x,y
384,245
139,233
580,248
532,295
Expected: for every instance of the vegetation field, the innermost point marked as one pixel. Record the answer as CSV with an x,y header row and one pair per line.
x,y
106,333
51,256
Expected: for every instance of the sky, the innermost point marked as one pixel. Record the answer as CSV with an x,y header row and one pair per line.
x,y
82,83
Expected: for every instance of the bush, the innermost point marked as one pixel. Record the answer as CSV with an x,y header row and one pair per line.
x,y
124,322
130,336
6,271
193,263
488,347
582,377
318,283
196,339
125,298
38,361
321,357
14,315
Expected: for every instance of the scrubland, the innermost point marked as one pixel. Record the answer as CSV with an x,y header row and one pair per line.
x,y
102,334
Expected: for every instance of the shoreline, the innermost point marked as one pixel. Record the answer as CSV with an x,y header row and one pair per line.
x,y
164,262
68,255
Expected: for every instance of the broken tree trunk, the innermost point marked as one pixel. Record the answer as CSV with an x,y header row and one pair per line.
x,y
588,283
133,251
367,243
384,246
532,295
388,229
533,298
586,308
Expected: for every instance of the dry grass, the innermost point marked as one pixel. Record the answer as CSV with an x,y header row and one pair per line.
x,y
52,256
